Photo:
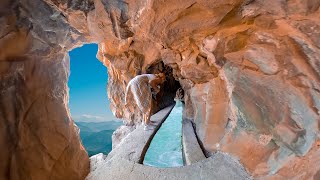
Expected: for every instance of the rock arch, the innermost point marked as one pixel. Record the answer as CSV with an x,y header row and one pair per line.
x,y
265,54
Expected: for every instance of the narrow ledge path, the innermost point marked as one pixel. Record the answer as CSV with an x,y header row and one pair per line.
x,y
124,162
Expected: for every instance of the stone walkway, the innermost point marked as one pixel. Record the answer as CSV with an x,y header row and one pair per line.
x,y
124,162
192,151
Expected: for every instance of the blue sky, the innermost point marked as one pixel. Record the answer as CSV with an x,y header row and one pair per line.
x,y
88,86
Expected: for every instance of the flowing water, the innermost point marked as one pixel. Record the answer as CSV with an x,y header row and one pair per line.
x,y
165,149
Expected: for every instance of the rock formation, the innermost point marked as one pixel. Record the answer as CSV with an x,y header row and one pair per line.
x,y
38,138
250,70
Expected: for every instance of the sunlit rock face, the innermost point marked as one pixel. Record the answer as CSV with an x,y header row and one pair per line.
x,y
250,70
38,138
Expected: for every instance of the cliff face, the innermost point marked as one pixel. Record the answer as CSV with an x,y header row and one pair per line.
x,y
38,138
250,70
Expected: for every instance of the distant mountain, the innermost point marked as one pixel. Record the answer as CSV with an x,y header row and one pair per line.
x,y
96,136
99,126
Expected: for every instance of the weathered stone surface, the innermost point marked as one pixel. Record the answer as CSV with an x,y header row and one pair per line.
x,y
192,151
38,137
120,134
124,161
250,71
134,146
220,166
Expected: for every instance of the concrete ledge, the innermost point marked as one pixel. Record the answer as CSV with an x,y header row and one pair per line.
x,y
134,146
220,166
124,162
191,150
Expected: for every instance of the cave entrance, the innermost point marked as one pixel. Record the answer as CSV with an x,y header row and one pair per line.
x,y
88,103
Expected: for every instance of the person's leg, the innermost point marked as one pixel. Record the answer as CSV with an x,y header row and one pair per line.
x,y
145,119
149,114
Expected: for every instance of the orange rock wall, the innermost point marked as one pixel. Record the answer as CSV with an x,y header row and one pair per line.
x,y
250,71
38,138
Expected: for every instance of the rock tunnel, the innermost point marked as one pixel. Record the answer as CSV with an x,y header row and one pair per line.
x,y
250,71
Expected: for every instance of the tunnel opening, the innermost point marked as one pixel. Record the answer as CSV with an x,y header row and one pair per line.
x,y
88,103
175,142
168,89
